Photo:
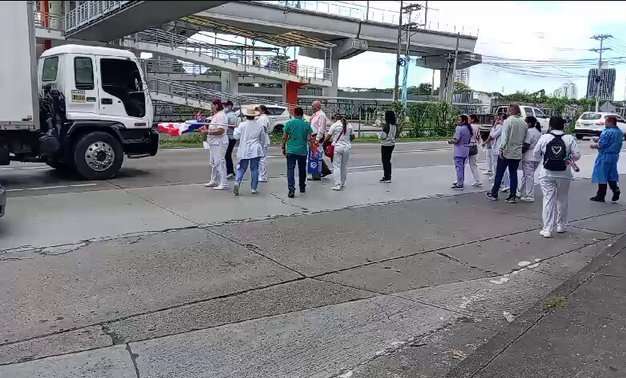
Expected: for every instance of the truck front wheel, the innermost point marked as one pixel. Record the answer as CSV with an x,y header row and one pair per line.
x,y
98,156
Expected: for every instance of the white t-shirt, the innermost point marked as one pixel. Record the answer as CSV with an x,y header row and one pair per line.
x,y
532,137
218,121
338,138
572,152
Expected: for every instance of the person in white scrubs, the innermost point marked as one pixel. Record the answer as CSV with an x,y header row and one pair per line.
x,y
217,142
555,184
264,121
494,137
251,136
529,161
340,135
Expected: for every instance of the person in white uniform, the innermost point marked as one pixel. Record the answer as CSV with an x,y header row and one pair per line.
x,y
252,142
217,141
264,121
473,153
340,136
529,161
495,137
555,175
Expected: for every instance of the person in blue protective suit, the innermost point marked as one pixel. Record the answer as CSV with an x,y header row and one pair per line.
x,y
605,168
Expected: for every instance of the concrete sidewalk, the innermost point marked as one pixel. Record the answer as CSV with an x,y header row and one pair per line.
x,y
336,292
578,330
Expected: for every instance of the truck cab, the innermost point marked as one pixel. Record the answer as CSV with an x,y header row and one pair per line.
x,y
108,111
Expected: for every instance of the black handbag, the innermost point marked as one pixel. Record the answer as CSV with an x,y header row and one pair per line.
x,y
473,150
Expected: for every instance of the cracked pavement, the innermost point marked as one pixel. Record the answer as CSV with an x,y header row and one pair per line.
x,y
408,287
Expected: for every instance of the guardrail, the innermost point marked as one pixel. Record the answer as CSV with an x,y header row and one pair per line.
x,y
48,21
365,13
197,92
195,45
89,11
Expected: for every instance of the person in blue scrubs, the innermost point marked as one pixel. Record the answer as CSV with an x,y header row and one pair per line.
x,y
605,168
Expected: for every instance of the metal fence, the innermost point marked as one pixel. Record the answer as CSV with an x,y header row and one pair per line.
x,y
218,50
88,11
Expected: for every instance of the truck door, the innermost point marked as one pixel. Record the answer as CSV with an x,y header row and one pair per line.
x,y
82,102
121,92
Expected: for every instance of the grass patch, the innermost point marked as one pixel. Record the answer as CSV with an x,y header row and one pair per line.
x,y
194,140
555,303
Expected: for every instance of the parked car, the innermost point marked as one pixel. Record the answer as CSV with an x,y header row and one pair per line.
x,y
279,115
527,111
3,200
592,124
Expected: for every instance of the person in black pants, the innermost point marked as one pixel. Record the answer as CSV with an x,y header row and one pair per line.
x,y
231,119
388,142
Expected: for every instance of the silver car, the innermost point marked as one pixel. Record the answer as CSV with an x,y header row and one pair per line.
x,y
3,200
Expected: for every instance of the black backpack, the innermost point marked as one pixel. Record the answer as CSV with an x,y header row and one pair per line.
x,y
556,153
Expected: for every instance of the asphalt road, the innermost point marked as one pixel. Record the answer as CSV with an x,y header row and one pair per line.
x,y
151,274
189,166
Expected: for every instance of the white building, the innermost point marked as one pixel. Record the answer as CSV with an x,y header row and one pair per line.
x,y
566,90
462,76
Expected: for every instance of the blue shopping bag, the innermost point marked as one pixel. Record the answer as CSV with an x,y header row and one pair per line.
x,y
314,162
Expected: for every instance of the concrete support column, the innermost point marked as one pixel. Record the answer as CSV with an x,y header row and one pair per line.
x,y
332,90
230,82
446,84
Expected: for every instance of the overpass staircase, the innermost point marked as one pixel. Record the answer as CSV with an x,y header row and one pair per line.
x,y
195,50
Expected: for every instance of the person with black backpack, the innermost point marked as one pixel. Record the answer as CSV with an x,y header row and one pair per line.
x,y
557,152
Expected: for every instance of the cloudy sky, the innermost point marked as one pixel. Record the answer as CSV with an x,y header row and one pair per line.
x,y
524,29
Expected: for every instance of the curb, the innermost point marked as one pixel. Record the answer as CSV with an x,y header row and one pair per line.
x,y
482,357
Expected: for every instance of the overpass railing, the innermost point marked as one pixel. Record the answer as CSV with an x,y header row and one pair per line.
x,y
364,13
89,11
195,45
49,21
192,92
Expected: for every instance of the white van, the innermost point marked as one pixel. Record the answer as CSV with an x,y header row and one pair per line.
x,y
527,111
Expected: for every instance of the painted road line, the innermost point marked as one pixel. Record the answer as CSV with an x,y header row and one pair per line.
x,y
52,187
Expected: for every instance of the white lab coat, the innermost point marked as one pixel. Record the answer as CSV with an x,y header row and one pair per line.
x,y
217,148
252,141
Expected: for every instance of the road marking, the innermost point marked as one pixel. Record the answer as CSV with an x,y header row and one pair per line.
x,y
366,166
52,187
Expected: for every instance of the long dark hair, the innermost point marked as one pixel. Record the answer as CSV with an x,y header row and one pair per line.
x,y
390,119
532,122
465,122
344,123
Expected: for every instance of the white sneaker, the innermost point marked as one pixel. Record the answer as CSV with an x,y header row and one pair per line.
x,y
337,187
545,234
254,191
477,184
220,187
263,180
210,184
527,199
560,229
505,189
230,176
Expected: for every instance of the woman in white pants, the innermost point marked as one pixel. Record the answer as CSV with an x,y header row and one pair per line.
x,y
217,140
529,161
555,175
340,135
264,121
473,154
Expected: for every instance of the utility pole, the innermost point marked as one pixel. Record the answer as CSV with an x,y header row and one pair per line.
x,y
399,47
601,38
450,92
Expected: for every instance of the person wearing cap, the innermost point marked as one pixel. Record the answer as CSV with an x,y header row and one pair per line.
x,y
252,143
231,120
217,141
264,120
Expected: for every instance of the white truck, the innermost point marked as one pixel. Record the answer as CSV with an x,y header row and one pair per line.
x,y
527,111
77,107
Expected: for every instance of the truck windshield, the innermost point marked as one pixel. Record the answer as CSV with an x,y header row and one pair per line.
x,y
121,79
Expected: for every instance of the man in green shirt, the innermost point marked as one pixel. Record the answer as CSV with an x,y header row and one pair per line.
x,y
295,140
